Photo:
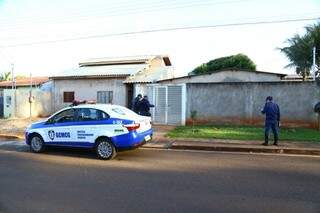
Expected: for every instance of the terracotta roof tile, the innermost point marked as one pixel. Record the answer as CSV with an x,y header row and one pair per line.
x,y
25,82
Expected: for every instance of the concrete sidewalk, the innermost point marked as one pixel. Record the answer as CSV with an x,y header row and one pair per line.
x,y
286,147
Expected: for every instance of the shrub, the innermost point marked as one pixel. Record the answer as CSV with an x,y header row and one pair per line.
x,y
233,62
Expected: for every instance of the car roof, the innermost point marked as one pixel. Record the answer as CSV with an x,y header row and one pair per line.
x,y
103,107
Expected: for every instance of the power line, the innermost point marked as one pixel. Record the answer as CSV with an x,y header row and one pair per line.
x,y
123,8
117,11
162,30
102,22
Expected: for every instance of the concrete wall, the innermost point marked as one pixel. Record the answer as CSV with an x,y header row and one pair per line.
x,y
86,89
241,102
16,103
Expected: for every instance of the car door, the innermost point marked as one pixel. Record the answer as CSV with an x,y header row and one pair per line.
x,y
60,129
88,122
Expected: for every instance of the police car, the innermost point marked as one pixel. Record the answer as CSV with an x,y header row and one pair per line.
x,y
103,127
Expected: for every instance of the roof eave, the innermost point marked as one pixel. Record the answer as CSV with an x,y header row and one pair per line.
x,y
139,82
110,63
88,77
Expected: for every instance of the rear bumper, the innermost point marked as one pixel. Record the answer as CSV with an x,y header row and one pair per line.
x,y
131,140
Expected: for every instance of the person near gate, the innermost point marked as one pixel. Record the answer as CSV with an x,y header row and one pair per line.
x,y
272,120
136,104
145,106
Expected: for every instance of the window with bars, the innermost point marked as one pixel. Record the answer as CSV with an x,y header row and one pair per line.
x,y
105,97
68,97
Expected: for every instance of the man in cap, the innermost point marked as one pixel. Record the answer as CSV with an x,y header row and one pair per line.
x,y
272,121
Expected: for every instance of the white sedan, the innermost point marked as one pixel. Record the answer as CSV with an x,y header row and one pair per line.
x,y
103,127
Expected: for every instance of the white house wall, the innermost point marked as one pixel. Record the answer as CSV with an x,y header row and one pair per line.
x,y
19,106
86,89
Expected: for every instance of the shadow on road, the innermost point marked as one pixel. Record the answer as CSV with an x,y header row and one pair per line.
x,y
18,146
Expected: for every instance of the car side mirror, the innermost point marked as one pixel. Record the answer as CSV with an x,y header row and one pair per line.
x,y
50,121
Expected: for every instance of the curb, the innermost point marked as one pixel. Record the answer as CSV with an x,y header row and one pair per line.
x,y
248,149
160,143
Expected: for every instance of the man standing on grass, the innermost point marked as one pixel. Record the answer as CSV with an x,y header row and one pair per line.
x,y
272,112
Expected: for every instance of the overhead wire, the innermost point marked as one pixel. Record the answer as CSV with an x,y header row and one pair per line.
x,y
162,30
110,12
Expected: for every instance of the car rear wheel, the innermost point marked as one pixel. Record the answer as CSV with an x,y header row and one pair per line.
x,y
105,149
36,144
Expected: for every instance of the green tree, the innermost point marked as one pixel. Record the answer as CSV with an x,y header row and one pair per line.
x,y
5,76
233,62
299,50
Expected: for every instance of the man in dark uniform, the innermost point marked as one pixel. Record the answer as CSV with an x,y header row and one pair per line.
x,y
272,112
145,106
136,104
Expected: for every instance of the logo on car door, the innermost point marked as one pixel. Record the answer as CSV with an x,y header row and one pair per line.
x,y
51,134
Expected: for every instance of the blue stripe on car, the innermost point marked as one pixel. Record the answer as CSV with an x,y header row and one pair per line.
x,y
128,140
71,144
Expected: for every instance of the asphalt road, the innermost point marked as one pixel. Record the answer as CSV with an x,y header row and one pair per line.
x,y
156,181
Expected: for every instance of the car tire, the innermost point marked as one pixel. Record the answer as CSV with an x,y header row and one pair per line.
x,y
37,144
105,149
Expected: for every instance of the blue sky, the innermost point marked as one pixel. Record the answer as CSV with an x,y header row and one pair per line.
x,y
29,21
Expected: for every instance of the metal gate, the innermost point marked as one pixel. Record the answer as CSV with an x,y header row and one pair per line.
x,y
174,104
169,104
160,111
1,104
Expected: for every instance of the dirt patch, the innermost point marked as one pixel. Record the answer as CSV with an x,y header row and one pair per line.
x,y
15,126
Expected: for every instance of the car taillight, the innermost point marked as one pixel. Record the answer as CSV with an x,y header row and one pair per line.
x,y
132,127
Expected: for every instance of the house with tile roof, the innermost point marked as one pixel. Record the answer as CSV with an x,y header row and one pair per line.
x,y
15,102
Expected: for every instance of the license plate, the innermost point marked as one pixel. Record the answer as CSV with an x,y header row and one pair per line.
x,y
147,138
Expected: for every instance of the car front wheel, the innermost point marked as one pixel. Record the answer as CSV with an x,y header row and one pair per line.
x,y
36,144
105,149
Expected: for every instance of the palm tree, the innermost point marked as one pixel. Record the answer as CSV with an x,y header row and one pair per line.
x,y
5,76
299,50
314,32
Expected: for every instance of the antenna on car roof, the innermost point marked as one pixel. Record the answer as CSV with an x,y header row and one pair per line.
x,y
79,102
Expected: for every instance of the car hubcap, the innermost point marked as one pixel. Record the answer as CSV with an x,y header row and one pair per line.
x,y
105,149
36,144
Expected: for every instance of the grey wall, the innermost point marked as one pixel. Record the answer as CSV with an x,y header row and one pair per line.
x,y
227,76
86,89
241,102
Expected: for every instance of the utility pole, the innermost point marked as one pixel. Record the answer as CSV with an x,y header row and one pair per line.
x,y
13,90
30,96
12,75
314,65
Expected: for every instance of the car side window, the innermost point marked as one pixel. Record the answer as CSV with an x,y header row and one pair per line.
x,y
87,114
64,116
